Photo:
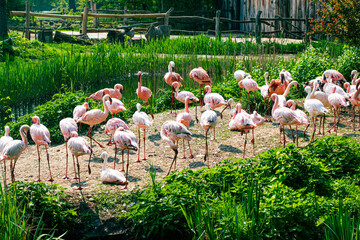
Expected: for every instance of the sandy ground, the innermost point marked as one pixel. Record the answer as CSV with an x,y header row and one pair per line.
x,y
228,144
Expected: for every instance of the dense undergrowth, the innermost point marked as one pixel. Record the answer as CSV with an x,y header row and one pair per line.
x,y
283,193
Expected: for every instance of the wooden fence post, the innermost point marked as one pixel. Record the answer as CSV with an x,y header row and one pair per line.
x,y
84,21
125,19
307,27
258,27
167,15
217,24
27,20
95,20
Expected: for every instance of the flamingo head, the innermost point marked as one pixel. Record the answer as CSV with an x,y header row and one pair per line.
x,y
86,105
297,86
36,119
171,67
104,155
354,74
138,107
174,85
74,134
139,75
7,130
107,97
119,87
266,76
207,88
347,86
282,76
307,89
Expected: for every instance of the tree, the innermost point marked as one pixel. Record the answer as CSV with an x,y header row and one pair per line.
x,y
340,19
3,20
72,5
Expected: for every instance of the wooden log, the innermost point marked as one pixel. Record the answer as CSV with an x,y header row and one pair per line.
x,y
150,15
62,37
217,24
23,14
27,20
158,32
85,20
258,27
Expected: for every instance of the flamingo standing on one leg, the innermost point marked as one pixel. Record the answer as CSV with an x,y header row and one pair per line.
x,y
142,120
264,90
68,125
116,92
95,116
111,126
79,111
78,146
337,101
250,85
214,100
202,77
144,93
41,136
4,140
170,77
185,118
126,140
110,175
181,96
208,121
171,132
13,149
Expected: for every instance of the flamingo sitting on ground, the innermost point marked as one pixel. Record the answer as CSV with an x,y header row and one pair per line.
x,y
214,100
4,140
111,126
142,121
13,149
78,146
264,90
171,132
144,93
116,92
185,118
94,117
207,122
250,85
202,77
355,101
170,77
79,111
41,136
181,96
110,175
279,86
304,120
337,101
68,125
126,140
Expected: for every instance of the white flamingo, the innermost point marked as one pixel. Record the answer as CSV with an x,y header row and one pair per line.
x,y
208,121
142,121
4,140
185,118
110,175
68,125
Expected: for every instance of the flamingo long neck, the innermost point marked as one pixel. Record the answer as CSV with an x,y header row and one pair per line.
x,y
276,105
266,80
288,88
187,104
7,131
208,89
106,109
165,138
312,92
177,90
104,163
23,135
139,85
170,69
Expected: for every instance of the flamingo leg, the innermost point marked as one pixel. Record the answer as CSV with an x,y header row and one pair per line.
x,y
254,98
109,143
115,157
307,126
324,124
37,147
269,110
214,135
48,160
265,109
249,101
253,142
314,121
184,157
321,117
127,170
5,174
79,128
176,153
206,145
139,142
221,116
201,95
284,134
12,169
91,138
292,134
196,117
245,144
78,167
297,137
123,162
353,117
151,113
191,155
172,99
89,168
67,157
239,92
335,122
144,145
280,134
76,177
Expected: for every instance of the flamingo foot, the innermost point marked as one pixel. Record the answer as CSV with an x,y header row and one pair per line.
x,y
122,170
78,188
191,156
109,143
184,157
39,180
75,178
51,180
125,187
65,177
138,160
145,158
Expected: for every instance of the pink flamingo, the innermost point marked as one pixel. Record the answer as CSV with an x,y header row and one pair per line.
x,y
126,140
214,100
181,96
337,101
110,175
171,132
170,77
115,106
282,97
116,92
312,82
250,85
79,111
202,77
111,126
4,140
95,116
283,115
68,125
78,146
304,120
185,118
332,76
144,93
208,121
240,75
279,86
142,120
314,107
355,101
41,136
13,149
264,90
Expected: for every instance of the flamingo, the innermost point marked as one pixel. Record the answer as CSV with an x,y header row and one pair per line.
x,y
279,86
250,85
113,124
202,77
240,75
185,118
181,96
207,122
144,93
171,132
214,100
115,106
13,149
355,101
95,116
304,120
283,115
4,140
337,101
170,77
68,125
282,97
126,140
314,107
142,120
264,90
110,175
41,136
232,110
78,146
312,82
79,111
116,92
332,76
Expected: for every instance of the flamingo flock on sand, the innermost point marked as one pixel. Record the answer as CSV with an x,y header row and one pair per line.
x,y
324,93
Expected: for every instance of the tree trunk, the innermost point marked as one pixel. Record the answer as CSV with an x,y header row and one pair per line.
x,y
3,20
72,5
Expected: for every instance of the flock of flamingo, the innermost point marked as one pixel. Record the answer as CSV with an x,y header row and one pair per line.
x,y
323,94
